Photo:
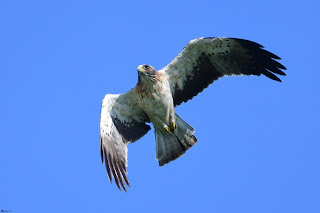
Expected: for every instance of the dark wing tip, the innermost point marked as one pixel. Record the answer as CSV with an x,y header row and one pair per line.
x,y
116,169
108,168
263,61
114,174
123,171
271,75
282,67
248,43
119,174
270,54
270,67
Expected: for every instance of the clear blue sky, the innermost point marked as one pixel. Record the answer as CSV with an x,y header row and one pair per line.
x,y
258,140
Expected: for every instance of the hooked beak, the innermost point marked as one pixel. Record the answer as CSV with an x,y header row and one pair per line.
x,y
141,68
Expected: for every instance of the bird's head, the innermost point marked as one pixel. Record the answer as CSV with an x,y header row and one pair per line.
x,y
146,72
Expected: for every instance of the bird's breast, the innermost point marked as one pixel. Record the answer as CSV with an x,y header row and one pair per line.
x,y
156,99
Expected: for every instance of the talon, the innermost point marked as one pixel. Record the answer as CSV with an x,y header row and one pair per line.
x,y
173,126
168,129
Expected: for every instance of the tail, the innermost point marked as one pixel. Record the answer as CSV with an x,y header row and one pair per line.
x,y
170,146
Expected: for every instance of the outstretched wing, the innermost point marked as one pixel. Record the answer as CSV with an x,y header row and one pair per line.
x,y
122,121
205,60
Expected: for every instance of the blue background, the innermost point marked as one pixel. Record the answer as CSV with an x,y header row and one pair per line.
x,y
258,140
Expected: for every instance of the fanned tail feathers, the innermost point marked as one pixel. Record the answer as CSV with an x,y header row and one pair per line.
x,y
170,146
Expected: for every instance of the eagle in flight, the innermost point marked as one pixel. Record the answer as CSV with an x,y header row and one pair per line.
x,y
157,93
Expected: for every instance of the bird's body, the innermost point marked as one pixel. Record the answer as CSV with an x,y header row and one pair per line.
x,y
156,100
153,99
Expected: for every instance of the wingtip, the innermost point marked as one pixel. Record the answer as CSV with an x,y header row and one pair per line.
x,y
271,75
248,42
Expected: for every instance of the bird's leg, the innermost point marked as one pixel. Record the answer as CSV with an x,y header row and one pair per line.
x,y
172,123
158,122
172,126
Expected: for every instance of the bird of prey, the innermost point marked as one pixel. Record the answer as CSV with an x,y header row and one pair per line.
x,y
201,62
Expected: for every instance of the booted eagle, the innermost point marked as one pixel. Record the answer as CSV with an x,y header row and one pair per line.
x,y
201,62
